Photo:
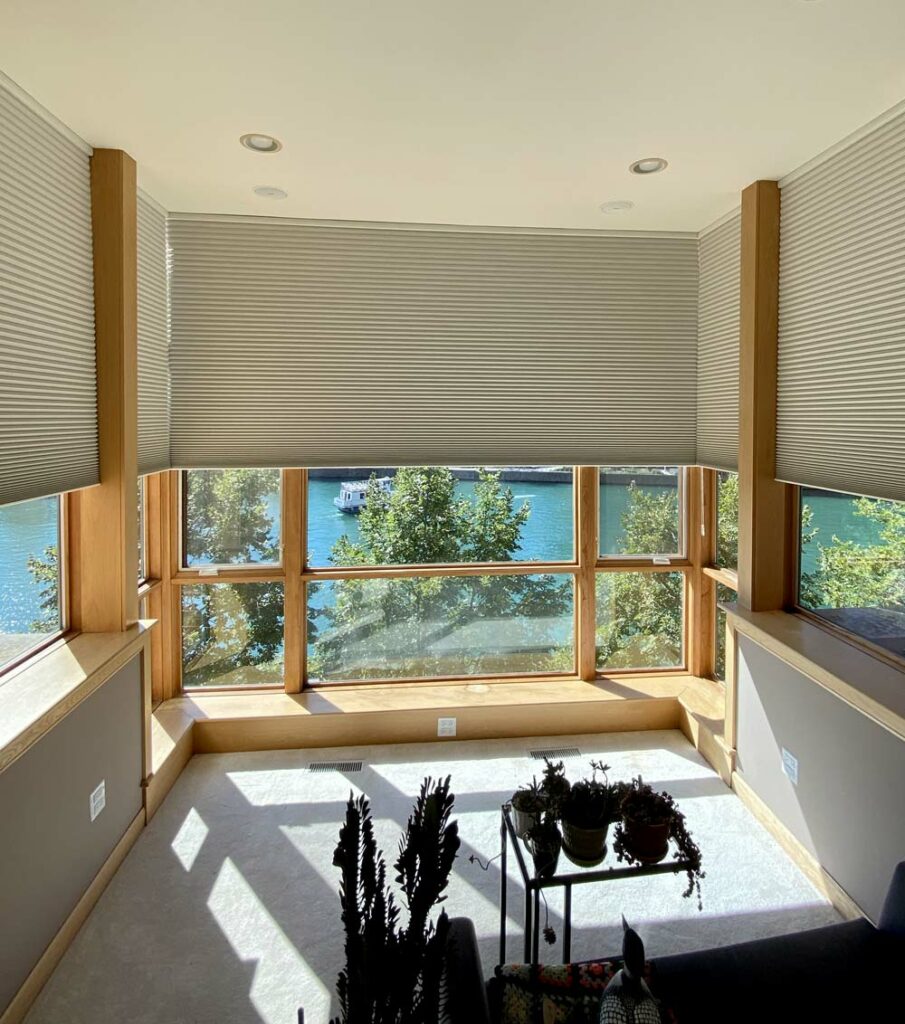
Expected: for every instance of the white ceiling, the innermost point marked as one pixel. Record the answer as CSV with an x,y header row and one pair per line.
x,y
500,112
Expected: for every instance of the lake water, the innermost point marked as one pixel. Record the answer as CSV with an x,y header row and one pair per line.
x,y
29,528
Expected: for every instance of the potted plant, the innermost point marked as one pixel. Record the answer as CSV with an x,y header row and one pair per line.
x,y
586,813
554,786
394,969
527,807
544,842
649,821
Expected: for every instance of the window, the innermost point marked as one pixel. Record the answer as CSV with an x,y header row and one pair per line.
x,y
232,634
31,607
727,521
429,515
142,536
724,595
440,626
639,620
231,517
852,565
641,511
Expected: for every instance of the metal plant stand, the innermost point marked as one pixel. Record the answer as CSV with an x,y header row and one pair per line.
x,y
533,886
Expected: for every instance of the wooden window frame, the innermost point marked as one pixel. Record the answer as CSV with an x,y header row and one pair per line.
x,y
164,515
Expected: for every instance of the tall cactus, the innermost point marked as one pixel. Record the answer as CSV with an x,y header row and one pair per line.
x,y
393,974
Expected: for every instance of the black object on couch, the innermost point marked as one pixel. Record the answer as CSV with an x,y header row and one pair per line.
x,y
850,971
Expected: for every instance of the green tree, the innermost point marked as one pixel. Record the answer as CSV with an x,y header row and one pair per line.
x,y
421,521
727,521
228,626
851,575
639,614
46,572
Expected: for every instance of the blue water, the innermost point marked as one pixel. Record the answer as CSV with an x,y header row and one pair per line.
x,y
547,536
26,530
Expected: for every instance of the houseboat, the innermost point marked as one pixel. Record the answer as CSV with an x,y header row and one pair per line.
x,y
353,495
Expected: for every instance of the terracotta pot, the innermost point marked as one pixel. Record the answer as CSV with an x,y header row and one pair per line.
x,y
584,846
647,843
524,820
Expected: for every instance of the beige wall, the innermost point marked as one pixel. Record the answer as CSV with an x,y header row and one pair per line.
x,y
848,808
50,850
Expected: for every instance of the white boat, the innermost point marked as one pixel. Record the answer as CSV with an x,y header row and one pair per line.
x,y
353,495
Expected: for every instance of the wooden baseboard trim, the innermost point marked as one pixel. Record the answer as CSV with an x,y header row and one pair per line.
x,y
41,972
802,857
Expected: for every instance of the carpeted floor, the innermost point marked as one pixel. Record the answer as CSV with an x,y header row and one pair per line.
x,y
226,910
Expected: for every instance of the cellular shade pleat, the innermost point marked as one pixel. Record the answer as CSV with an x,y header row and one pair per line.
x,y
48,396
299,344
153,339
841,370
719,261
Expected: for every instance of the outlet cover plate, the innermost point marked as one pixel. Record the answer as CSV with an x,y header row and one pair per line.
x,y
790,766
98,799
446,727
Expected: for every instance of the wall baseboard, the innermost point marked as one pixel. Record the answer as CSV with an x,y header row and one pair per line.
x,y
41,972
803,858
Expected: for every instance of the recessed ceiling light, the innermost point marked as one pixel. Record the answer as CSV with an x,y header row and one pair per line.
x,y
649,165
259,143
270,192
616,206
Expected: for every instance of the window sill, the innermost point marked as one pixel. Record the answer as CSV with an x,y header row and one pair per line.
x,y
869,684
407,713
44,690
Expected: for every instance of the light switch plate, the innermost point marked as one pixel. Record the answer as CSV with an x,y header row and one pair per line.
x,y
98,799
446,727
790,766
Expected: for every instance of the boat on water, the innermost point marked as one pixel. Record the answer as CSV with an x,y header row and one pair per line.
x,y
353,495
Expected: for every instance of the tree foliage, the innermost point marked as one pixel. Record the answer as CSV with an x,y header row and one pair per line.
x,y
46,573
230,626
378,628
639,614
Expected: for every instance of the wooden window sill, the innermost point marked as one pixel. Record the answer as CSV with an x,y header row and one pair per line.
x,y
401,713
870,685
44,690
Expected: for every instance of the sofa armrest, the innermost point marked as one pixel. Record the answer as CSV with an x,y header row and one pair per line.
x,y
892,917
465,975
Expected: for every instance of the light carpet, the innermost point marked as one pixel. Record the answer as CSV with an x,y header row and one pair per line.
x,y
226,909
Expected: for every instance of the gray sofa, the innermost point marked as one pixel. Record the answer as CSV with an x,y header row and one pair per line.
x,y
851,971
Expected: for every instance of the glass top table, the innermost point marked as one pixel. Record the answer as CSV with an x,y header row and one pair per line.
x,y
565,877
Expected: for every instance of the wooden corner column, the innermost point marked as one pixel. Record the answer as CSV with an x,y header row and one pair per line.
x,y
105,593
763,548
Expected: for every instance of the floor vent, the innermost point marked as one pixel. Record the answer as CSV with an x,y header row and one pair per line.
x,y
335,766
555,753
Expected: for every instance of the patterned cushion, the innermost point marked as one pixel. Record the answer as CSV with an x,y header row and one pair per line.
x,y
555,993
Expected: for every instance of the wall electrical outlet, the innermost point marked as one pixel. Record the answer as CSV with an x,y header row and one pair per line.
x,y
446,727
790,766
98,799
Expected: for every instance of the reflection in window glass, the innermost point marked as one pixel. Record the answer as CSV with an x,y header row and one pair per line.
x,y
640,510
852,564
727,520
232,634
439,626
430,515
639,620
231,516
30,606
724,595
